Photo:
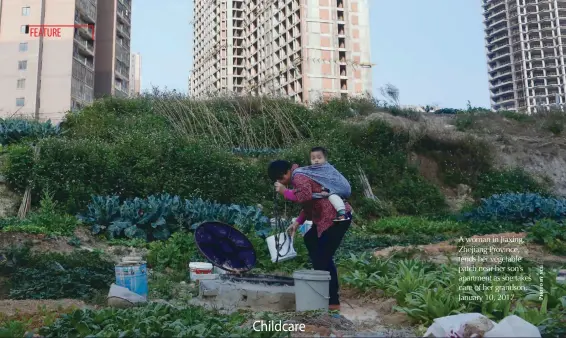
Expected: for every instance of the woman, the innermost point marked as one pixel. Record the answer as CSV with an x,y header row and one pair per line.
x,y
324,237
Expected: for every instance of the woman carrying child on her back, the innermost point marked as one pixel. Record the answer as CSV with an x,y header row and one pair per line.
x,y
320,188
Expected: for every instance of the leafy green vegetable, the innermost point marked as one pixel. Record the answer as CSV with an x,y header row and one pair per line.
x,y
14,130
520,208
153,320
549,233
157,217
79,275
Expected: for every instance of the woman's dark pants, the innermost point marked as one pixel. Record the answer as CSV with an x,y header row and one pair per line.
x,y
321,252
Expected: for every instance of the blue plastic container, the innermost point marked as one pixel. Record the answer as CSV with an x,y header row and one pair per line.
x,y
132,276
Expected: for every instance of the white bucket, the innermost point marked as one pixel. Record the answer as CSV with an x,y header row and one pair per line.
x,y
286,249
200,269
312,289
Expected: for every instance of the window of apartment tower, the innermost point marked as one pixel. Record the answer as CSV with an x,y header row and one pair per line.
x,y
20,102
22,65
21,84
25,11
23,47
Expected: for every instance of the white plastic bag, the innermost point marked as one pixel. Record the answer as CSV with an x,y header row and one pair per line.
x,y
513,326
475,324
121,296
452,326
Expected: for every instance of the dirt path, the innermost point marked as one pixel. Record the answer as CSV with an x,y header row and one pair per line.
x,y
31,306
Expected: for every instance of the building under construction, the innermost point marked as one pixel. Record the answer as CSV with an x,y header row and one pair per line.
x,y
303,49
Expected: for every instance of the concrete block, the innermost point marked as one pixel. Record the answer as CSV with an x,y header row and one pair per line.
x,y
248,295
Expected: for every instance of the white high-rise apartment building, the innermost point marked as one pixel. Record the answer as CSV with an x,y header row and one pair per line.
x,y
44,77
303,49
526,48
135,74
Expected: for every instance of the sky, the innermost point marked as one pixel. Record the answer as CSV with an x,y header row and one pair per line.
x,y
432,51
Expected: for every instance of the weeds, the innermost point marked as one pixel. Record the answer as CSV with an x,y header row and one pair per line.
x,y
425,291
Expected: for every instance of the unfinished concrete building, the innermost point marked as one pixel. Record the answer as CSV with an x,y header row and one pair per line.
x,y
526,48
304,49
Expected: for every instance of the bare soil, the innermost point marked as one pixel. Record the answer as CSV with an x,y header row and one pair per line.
x,y
43,243
526,145
358,315
10,308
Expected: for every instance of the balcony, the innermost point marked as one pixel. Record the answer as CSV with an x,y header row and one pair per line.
x,y
498,38
84,60
123,14
122,72
502,91
500,75
84,45
495,12
501,83
87,10
81,92
123,30
500,66
493,23
87,32
127,3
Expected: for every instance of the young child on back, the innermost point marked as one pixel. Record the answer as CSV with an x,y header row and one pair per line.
x,y
335,186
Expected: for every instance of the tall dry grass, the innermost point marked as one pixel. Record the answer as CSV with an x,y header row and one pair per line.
x,y
232,121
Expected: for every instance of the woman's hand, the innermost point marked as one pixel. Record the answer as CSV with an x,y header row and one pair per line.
x,y
280,188
292,229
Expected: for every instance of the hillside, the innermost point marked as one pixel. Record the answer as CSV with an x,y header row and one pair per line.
x,y
514,142
137,176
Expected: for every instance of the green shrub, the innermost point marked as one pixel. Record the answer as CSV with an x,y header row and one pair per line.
x,y
517,116
409,230
549,233
459,161
108,119
506,181
368,208
133,147
136,166
46,220
554,121
175,253
18,166
464,121
406,224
